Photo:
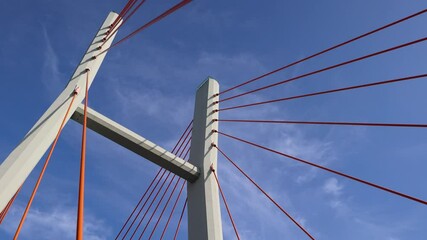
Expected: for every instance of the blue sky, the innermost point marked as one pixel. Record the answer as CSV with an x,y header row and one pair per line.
x,y
148,85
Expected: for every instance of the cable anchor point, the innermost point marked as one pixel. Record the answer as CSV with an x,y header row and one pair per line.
x,y
76,90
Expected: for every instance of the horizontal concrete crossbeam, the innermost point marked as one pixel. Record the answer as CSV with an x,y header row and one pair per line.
x,y
137,144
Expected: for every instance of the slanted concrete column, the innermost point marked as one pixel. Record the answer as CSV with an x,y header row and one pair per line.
x,y
19,164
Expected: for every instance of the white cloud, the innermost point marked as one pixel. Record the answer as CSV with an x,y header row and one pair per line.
x,y
57,222
248,205
332,186
153,103
51,76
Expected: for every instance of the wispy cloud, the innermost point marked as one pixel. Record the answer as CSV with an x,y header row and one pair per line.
x,y
332,186
153,103
51,76
58,222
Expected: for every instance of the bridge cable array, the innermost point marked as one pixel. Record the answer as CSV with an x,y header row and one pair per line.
x,y
147,25
324,123
326,169
225,202
114,30
9,204
370,124
182,150
327,50
81,197
422,76
134,223
326,69
39,179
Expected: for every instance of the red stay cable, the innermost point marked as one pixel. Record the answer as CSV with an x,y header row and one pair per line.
x,y
145,202
128,6
9,204
152,182
80,208
185,147
153,21
157,206
179,151
265,193
151,204
225,202
327,68
325,123
183,134
109,35
6,209
173,210
125,10
326,50
167,188
328,169
164,209
139,203
122,12
188,151
327,92
30,201
167,203
4,212
180,220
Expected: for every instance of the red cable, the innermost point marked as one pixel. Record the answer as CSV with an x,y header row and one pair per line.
x,y
164,209
119,15
326,50
145,202
182,143
180,219
6,209
9,204
143,196
226,204
185,133
30,201
265,193
186,154
188,141
173,210
157,206
167,203
188,151
130,4
139,203
133,222
81,195
325,123
123,22
327,92
151,204
153,21
122,12
329,170
326,69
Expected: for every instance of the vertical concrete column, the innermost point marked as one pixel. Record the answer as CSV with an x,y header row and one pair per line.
x,y
204,215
